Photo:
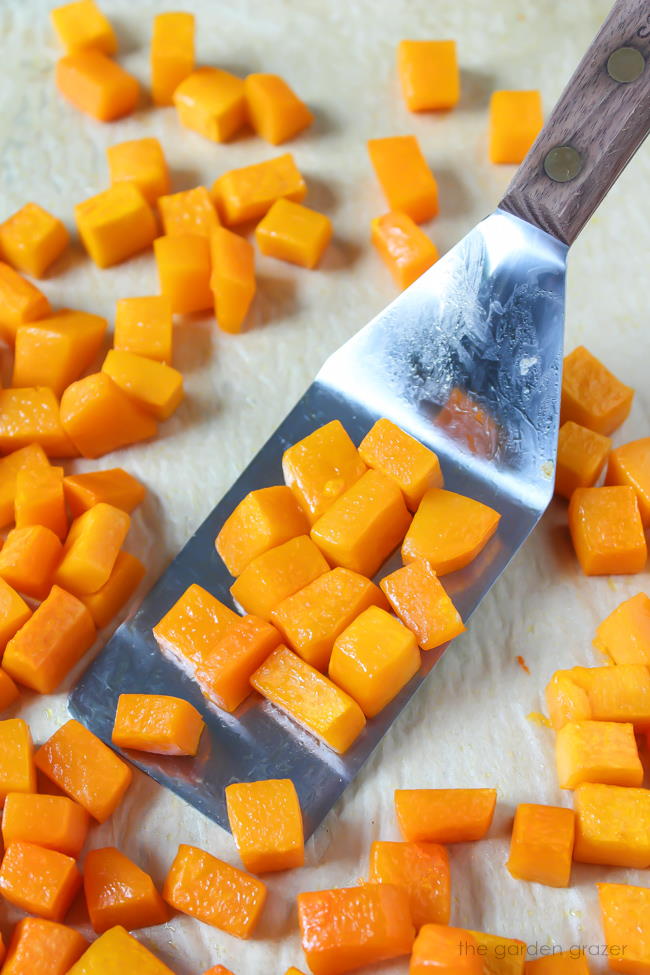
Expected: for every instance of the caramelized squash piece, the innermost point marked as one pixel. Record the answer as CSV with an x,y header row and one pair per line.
x,y
157,723
606,531
294,233
154,386
32,239
274,110
404,248
40,947
581,457
117,952
172,54
277,573
263,519
188,212
81,26
40,499
248,193
625,634
28,560
31,457
124,579
191,627
96,85
541,846
114,486
20,302
404,176
422,869
92,546
266,824
115,224
630,464
612,825
142,162
515,121
414,467
591,395
446,951
98,417
144,326
233,278
625,912
419,599
319,468
119,892
449,530
224,671
211,101
429,75
31,416
444,815
37,880
17,772
55,822
597,751
184,272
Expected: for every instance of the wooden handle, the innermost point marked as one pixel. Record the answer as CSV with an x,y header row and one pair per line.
x,y
600,121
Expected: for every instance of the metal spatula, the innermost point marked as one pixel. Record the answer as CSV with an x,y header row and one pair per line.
x,y
468,360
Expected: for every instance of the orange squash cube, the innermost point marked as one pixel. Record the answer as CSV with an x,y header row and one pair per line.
x,y
413,467
50,643
449,530
211,102
32,457
115,224
92,546
294,233
606,531
224,671
446,951
192,626
429,75
188,212
320,467
591,395
418,598
142,162
277,573
118,892
157,723
624,635
85,769
9,693
566,701
214,892
114,486
503,956
154,386
56,350
232,279
625,912
38,880
274,110
81,26
96,85
125,578
422,869
172,54
248,193
14,613
621,694
266,824
263,519
404,176
55,822
541,847
17,772
597,751
363,526
404,248
581,457
32,416
354,926
559,963
32,239
516,118
308,697
184,272
28,560
40,499
144,326
312,619
612,825
20,302
630,464
117,952
444,815
98,417
40,947
373,659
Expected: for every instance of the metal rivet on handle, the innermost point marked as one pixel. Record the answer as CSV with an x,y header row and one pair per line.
x,y
625,65
562,163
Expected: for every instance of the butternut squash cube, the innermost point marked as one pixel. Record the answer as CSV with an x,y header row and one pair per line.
x,y
274,110
20,302
277,573
606,531
81,26
94,541
29,558
40,499
581,457
566,701
541,847
429,75
630,464
233,278
294,233
114,486
96,85
449,530
9,693
263,519
184,272
447,951
56,350
31,457
55,822
214,892
591,395
444,815
43,947
612,825
404,176
99,417
308,697
625,634
50,643
141,162
266,824
17,772
597,751
155,387
569,962
29,416
248,193
211,102
32,239
503,956
188,212
516,118
172,54
115,224
419,599
192,626
38,880
125,578
144,326
320,467
118,891
312,619
223,673
422,869
157,723
625,912
404,248
117,952
621,694
14,613
414,467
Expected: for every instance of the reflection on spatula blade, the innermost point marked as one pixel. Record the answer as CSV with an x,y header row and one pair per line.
x,y
467,360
